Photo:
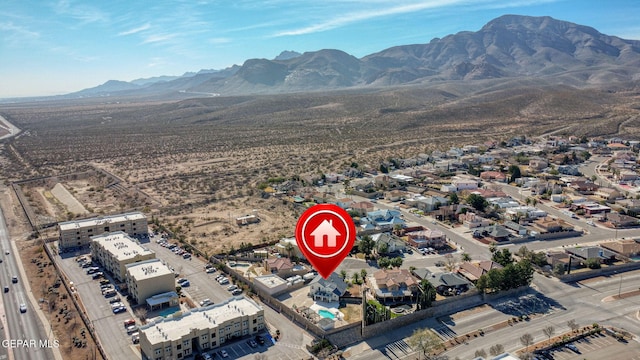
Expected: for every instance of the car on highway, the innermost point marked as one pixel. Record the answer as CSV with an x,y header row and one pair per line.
x,y
6,289
6,252
14,279
23,308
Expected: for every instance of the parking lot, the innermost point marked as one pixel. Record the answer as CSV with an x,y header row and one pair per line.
x,y
599,347
109,326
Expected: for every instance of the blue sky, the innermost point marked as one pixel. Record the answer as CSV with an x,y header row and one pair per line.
x,y
56,47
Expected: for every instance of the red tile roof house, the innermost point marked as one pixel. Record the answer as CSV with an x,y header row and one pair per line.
x,y
493,175
393,285
282,267
362,208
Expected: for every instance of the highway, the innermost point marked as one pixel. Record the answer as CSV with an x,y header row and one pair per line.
x,y
21,326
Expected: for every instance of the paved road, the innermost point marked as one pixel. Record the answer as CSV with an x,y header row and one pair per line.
x,y
21,326
560,302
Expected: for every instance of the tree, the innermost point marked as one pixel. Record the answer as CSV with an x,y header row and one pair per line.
x,y
493,248
466,257
496,350
366,244
450,262
549,331
363,274
289,249
526,340
396,262
343,274
502,257
593,263
426,294
559,269
477,202
424,341
453,198
480,353
141,313
384,262
573,325
383,248
514,170
356,278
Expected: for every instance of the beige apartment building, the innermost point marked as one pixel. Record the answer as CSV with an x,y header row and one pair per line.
x,y
78,233
200,329
149,278
116,250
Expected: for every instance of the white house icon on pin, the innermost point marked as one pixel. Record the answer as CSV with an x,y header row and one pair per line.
x,y
325,229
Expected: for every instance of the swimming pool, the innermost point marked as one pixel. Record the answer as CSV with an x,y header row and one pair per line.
x,y
326,314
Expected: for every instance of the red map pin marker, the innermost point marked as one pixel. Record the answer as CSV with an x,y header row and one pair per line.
x,y
325,234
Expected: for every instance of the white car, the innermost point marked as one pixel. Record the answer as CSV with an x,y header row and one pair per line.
x,y
210,270
205,302
223,281
224,353
23,308
232,287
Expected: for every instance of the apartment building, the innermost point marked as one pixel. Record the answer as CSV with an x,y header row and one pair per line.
x,y
151,278
116,250
78,233
200,329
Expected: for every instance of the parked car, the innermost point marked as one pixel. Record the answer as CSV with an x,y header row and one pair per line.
x,y
129,322
135,338
224,353
98,275
210,270
205,302
206,356
105,282
236,292
223,281
252,343
114,300
181,280
185,284
119,309
573,348
186,255
260,339
232,287
131,329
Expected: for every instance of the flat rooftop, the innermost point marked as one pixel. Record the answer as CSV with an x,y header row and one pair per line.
x,y
147,269
174,328
269,281
97,221
121,245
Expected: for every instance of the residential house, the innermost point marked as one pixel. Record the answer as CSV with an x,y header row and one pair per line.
x,y
449,212
493,176
464,184
289,247
629,206
446,283
608,194
362,207
627,175
393,285
394,243
283,267
496,232
593,252
383,219
560,257
429,203
592,208
344,203
538,164
473,270
395,195
550,225
517,228
327,290
472,220
626,247
527,212
617,220
384,180
427,238
583,187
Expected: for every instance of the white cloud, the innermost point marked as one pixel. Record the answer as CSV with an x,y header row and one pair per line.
x,y
83,13
144,27
219,40
156,38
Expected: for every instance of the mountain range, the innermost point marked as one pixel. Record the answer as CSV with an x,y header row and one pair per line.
x,y
508,47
